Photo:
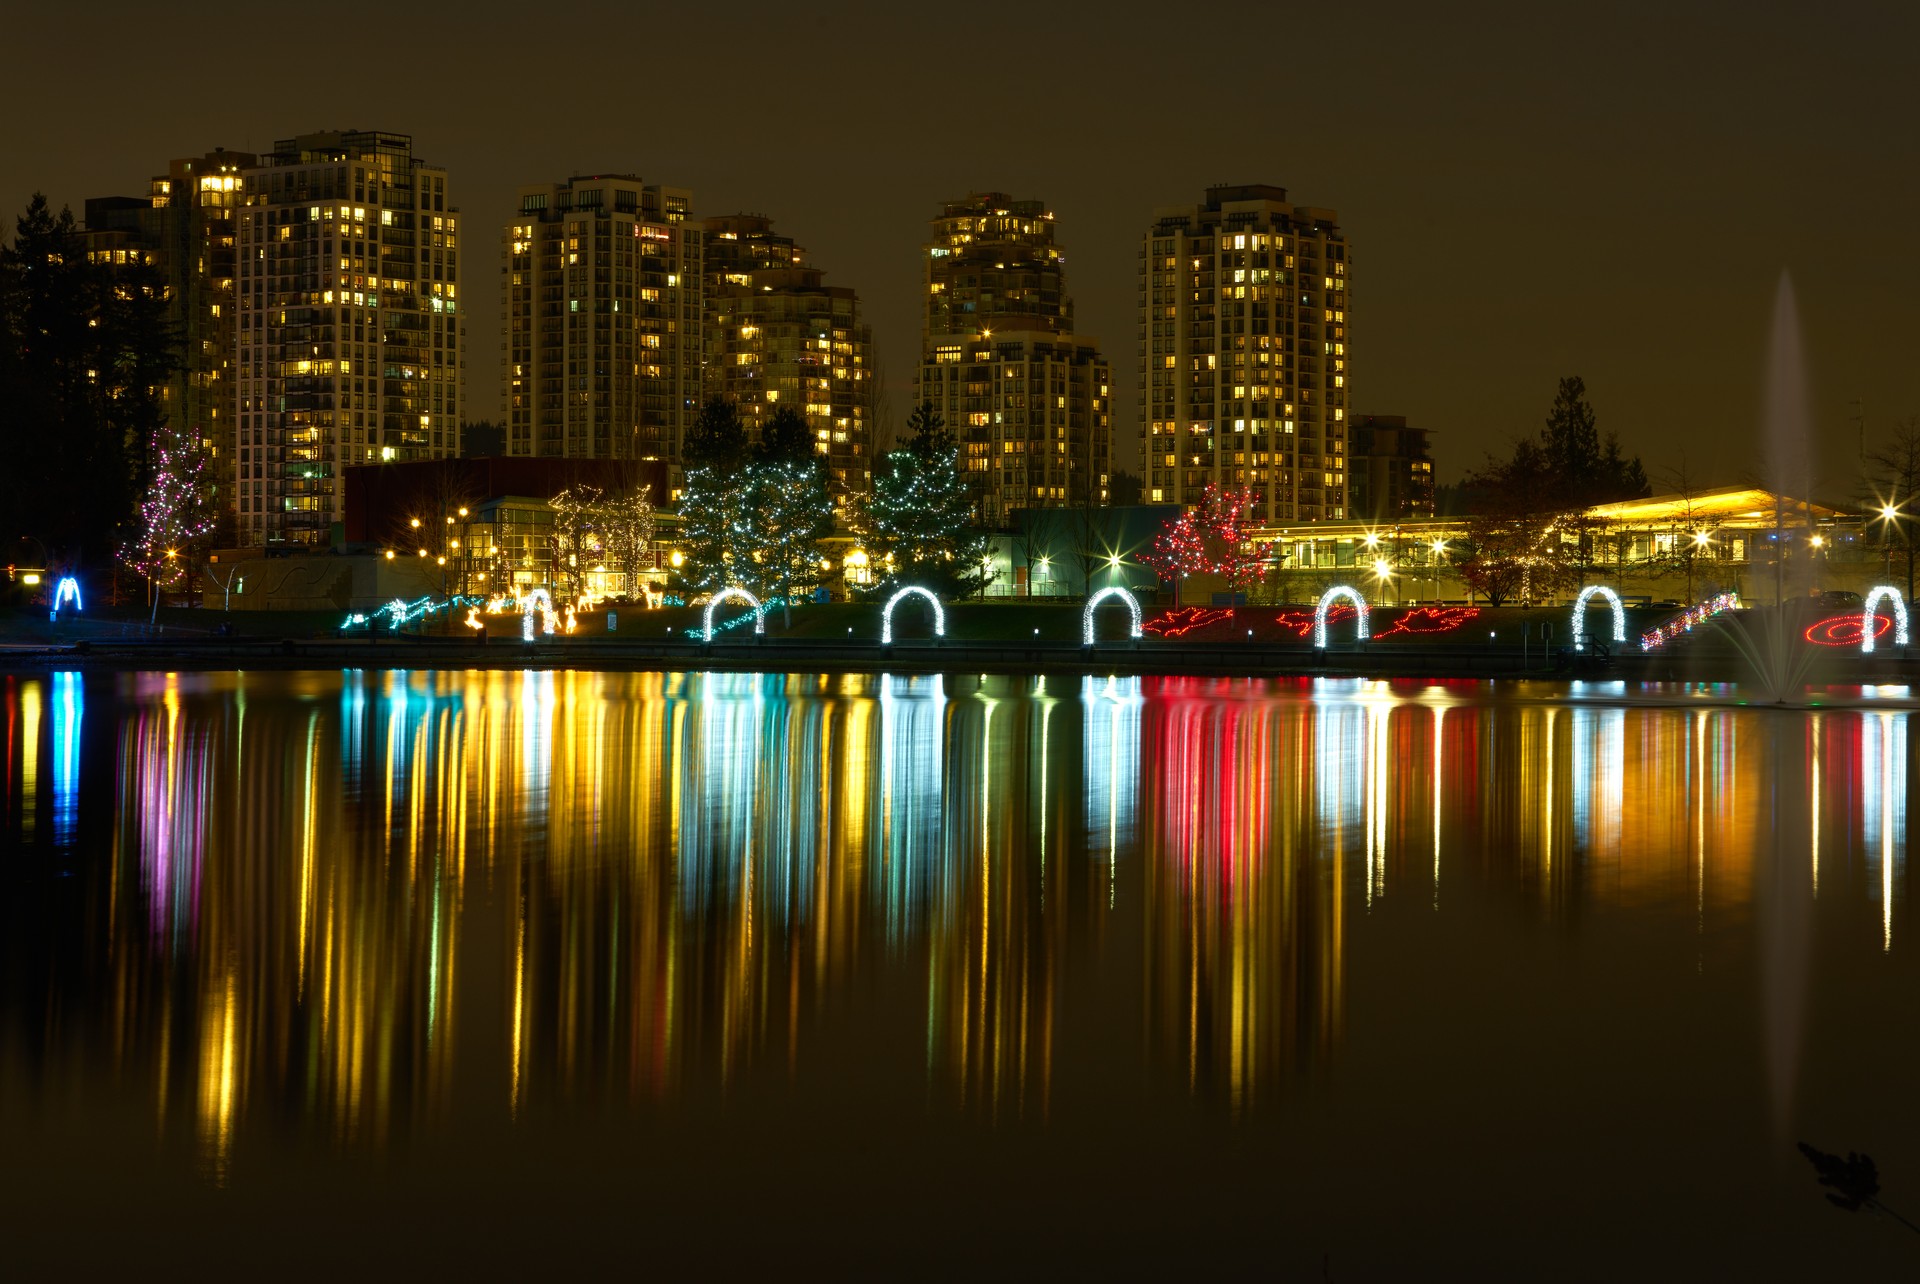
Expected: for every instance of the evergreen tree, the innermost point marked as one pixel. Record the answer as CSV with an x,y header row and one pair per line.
x,y
716,439
922,513
787,438
789,512
714,522
85,350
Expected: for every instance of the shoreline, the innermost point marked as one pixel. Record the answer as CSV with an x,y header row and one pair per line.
x,y
1136,657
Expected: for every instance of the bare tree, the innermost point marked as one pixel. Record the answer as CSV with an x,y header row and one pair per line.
x,y
1034,538
1893,475
1687,535
624,523
574,540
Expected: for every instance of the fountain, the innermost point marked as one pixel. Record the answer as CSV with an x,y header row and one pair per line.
x,y
1763,637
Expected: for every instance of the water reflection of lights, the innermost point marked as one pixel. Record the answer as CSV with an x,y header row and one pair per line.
x,y
1111,709
671,872
1883,780
69,706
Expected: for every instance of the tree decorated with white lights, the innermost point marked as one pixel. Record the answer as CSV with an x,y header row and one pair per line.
x,y
1213,538
715,547
790,511
625,526
921,513
576,543
754,517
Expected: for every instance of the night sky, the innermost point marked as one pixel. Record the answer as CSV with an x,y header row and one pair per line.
x,y
1530,190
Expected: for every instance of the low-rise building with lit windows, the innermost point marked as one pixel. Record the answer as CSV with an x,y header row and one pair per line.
x,y
1390,469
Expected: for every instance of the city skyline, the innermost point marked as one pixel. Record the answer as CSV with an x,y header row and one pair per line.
x,y
1737,153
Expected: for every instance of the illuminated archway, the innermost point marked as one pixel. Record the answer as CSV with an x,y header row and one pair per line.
x,y
69,589
886,615
1327,599
1093,604
528,606
732,590
1899,617
1580,614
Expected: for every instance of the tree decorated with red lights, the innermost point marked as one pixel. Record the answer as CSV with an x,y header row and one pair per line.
x,y
1213,538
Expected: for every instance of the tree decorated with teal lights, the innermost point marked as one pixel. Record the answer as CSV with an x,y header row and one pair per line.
x,y
922,513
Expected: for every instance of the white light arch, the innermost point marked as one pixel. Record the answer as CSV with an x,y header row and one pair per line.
x,y
528,607
1899,617
732,590
1580,614
67,588
886,615
1327,599
1093,603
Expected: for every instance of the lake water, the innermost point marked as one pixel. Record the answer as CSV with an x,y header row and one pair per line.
x,y
707,973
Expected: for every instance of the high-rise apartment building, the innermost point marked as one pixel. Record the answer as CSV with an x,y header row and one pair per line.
x,y
184,228
1029,401
602,320
777,335
349,324
992,265
1243,353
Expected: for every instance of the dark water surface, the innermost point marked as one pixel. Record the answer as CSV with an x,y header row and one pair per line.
x,y
707,973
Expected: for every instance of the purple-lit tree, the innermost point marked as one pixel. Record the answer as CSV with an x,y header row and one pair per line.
x,y
172,517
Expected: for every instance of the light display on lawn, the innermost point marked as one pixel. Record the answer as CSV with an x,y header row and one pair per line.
x,y
1327,599
911,590
1870,612
1587,594
1093,603
67,590
736,592
1847,630
1654,639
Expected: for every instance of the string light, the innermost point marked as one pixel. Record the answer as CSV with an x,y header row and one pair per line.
x,y
1327,599
1867,616
886,615
1183,620
536,599
1112,590
734,591
1580,614
1219,520
1684,622
1845,630
68,587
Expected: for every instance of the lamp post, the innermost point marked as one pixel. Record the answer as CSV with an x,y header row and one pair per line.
x,y
153,584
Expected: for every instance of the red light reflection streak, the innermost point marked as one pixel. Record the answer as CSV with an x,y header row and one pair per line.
x,y
1214,757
